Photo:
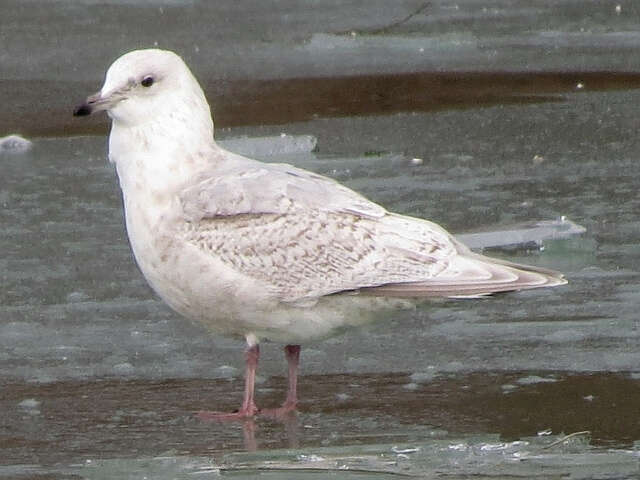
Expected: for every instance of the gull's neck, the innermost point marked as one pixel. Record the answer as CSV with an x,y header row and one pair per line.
x,y
162,155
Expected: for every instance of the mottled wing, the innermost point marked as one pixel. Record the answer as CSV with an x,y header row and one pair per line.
x,y
302,235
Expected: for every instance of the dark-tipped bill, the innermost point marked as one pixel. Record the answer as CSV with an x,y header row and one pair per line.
x,y
94,103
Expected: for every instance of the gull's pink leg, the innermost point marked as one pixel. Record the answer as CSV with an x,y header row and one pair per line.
x,y
248,409
292,353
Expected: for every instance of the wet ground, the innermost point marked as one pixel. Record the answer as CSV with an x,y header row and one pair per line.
x,y
518,114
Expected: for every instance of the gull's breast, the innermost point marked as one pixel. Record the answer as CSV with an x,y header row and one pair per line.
x,y
198,286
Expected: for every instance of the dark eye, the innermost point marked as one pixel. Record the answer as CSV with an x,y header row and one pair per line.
x,y
147,81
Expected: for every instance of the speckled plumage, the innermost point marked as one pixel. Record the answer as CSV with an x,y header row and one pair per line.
x,y
306,236
265,250
235,243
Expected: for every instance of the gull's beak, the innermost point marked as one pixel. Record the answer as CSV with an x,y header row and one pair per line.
x,y
95,103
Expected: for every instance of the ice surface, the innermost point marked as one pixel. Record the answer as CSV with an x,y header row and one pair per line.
x,y
557,456
99,379
531,379
29,403
342,419
75,305
293,43
533,234
265,147
424,377
323,39
14,144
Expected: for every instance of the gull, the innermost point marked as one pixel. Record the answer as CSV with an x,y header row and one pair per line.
x,y
266,251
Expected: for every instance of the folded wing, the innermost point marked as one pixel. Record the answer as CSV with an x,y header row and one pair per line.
x,y
302,236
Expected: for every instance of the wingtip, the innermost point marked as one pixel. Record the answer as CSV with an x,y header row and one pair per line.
x,y
504,277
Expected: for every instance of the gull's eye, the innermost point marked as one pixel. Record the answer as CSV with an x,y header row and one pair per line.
x,y
147,81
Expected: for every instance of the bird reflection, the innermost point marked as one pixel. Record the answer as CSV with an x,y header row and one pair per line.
x,y
251,426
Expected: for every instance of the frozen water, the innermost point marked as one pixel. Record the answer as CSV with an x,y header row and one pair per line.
x,y
294,40
115,375
30,404
529,235
138,424
299,41
227,371
424,377
64,217
531,379
102,321
265,147
14,144
462,457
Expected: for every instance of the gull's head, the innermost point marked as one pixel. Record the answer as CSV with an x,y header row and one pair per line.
x,y
149,85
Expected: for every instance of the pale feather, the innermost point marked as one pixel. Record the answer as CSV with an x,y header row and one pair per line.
x,y
302,235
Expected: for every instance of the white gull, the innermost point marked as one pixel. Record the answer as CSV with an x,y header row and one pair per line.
x,y
265,251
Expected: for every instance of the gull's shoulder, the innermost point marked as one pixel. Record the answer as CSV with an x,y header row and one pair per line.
x,y
240,185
